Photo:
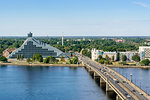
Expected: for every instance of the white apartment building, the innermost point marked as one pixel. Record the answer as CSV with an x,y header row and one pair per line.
x,y
128,55
110,55
144,52
95,53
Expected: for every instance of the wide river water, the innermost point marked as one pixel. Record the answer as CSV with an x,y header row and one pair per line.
x,y
48,83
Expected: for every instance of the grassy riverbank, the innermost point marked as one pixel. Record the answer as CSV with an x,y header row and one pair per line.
x,y
24,63
68,65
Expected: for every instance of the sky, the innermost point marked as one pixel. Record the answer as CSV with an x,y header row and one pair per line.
x,y
75,17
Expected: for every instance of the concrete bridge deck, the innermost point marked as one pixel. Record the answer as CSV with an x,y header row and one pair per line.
x,y
115,82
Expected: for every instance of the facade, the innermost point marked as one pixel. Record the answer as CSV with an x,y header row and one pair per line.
x,y
110,55
8,51
128,55
144,52
33,46
95,53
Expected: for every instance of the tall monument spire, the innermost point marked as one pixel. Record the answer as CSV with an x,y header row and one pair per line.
x,y
62,39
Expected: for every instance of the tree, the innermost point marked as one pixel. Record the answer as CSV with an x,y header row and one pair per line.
x,y
41,59
101,61
37,57
124,57
145,62
62,59
33,58
108,62
136,58
46,60
75,60
18,57
50,60
70,61
118,56
113,58
86,53
28,60
100,57
107,58
22,57
2,58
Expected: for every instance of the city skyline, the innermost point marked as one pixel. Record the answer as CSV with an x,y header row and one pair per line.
x,y
75,17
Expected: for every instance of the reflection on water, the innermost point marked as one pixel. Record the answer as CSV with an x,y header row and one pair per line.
x,y
141,77
48,83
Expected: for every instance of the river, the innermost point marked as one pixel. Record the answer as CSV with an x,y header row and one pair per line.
x,y
48,83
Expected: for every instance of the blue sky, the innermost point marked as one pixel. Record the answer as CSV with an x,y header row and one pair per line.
x,y
75,17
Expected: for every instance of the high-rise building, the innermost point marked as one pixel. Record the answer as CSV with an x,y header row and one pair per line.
x,y
33,46
144,52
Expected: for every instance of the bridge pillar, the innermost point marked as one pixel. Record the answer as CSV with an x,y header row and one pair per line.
x,y
102,82
91,72
96,77
118,98
86,68
108,88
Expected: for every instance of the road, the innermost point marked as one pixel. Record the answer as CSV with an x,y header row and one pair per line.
x,y
124,87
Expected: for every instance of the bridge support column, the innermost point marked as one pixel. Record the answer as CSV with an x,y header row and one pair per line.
x,y
118,98
102,82
86,68
96,77
91,72
108,88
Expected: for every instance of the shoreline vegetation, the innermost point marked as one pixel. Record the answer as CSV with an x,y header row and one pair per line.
x,y
33,64
37,60
24,63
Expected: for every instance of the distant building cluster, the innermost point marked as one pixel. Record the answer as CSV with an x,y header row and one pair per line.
x,y
143,52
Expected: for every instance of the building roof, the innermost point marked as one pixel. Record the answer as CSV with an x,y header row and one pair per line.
x,y
10,50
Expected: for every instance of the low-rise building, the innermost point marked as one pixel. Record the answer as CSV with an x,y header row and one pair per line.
x,y
128,54
110,55
8,51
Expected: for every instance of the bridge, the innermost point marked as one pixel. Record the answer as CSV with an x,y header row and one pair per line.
x,y
123,88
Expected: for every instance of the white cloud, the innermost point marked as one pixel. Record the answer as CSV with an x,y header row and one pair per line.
x,y
141,4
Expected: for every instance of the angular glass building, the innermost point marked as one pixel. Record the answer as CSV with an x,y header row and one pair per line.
x,y
33,46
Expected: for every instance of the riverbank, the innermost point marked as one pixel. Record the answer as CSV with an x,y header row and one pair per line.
x,y
36,63
33,64
127,66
